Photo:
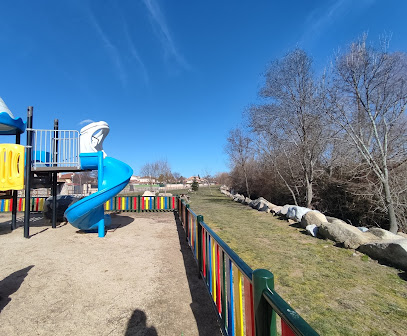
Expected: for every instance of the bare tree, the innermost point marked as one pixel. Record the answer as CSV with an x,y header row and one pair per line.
x,y
367,100
292,125
239,150
150,170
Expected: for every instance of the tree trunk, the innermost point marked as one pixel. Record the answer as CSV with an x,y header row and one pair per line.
x,y
390,207
247,182
309,194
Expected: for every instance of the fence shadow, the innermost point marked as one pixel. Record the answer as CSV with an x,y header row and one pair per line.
x,y
202,304
137,325
11,284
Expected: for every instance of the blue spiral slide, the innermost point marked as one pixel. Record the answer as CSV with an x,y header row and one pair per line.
x,y
113,175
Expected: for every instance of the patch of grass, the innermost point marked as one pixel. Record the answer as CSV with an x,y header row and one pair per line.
x,y
335,291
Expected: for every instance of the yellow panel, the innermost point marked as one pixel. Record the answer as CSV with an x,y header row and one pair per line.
x,y
11,167
238,303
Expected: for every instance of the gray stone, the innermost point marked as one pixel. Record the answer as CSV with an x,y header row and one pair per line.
x,y
284,209
238,198
296,213
275,209
247,201
393,252
312,229
384,234
313,217
346,234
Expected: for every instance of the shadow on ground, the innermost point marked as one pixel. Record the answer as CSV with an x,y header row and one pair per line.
x,y
11,284
137,325
202,304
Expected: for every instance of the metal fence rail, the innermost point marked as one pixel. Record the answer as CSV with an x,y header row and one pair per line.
x,y
245,300
55,148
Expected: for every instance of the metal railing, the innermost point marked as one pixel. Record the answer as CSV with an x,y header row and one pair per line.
x,y
55,148
245,300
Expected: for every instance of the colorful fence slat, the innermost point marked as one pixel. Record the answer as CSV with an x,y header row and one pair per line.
x,y
36,204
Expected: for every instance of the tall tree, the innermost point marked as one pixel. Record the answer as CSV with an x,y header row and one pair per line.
x,y
292,123
367,100
240,152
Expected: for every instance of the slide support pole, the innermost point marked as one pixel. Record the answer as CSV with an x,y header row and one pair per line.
x,y
101,223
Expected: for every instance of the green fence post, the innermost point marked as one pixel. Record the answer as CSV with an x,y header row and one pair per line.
x,y
199,220
138,203
264,316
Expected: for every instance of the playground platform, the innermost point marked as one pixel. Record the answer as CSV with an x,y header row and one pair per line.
x,y
141,279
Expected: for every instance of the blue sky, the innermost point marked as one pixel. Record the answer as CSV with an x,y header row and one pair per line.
x,y
170,77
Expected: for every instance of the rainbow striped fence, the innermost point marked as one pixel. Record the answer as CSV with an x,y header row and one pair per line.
x,y
118,203
245,300
141,203
36,204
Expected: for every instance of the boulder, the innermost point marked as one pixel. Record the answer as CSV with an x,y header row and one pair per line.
x,y
247,201
346,234
393,252
296,212
313,217
238,198
384,234
148,193
402,234
275,209
284,209
312,229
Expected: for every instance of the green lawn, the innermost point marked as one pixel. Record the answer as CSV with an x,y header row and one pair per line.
x,y
337,291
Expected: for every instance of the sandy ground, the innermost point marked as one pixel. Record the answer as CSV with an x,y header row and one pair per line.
x,y
140,279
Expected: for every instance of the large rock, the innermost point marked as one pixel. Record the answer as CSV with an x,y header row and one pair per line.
x,y
275,209
384,234
313,217
346,234
261,204
284,209
312,229
296,212
247,201
238,198
393,252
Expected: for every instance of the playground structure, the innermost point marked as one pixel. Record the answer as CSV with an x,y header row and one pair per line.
x,y
54,151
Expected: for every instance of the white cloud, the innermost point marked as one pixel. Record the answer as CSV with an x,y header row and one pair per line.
x,y
163,33
85,122
323,16
110,47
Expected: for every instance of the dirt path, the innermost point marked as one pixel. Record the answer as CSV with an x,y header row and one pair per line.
x,y
139,280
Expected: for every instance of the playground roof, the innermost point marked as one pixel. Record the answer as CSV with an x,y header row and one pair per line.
x,y
9,125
